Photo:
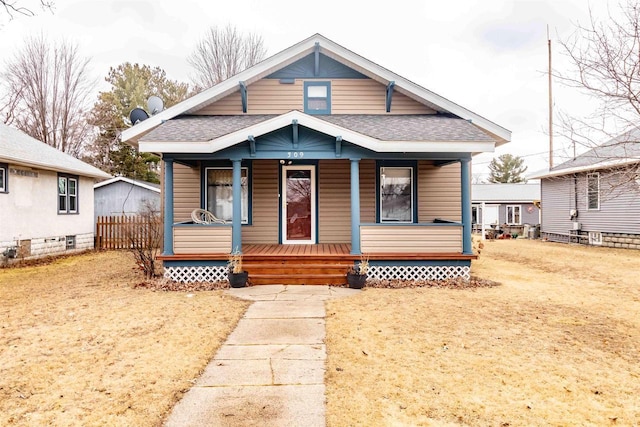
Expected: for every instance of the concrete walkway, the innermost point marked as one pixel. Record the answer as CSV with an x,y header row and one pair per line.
x,y
270,371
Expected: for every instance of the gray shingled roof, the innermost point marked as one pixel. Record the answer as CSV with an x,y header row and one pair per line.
x,y
19,148
382,127
505,192
625,147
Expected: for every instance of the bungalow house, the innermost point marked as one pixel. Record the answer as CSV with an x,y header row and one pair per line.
x,y
121,196
513,205
46,198
595,197
315,157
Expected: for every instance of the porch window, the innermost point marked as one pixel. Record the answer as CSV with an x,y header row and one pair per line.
x,y
3,178
396,194
513,214
219,195
317,97
67,194
593,190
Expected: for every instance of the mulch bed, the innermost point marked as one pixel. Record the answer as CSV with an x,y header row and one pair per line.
x,y
457,283
166,285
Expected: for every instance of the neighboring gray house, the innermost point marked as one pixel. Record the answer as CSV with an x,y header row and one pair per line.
x,y
511,204
595,198
124,196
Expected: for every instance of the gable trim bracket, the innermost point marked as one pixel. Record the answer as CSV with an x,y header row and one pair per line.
x,y
316,52
252,145
243,95
338,146
294,136
390,87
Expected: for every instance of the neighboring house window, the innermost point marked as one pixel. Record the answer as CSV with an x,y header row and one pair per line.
x,y
219,195
513,214
593,190
396,197
67,194
4,178
317,97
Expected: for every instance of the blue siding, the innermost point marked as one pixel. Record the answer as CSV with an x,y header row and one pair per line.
x,y
305,68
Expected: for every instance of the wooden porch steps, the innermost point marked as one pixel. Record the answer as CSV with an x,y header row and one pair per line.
x,y
297,271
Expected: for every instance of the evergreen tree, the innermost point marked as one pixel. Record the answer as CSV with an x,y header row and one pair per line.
x,y
132,85
507,169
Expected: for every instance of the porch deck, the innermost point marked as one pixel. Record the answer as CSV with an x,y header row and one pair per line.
x,y
319,264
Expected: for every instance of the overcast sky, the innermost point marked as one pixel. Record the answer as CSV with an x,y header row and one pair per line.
x,y
489,56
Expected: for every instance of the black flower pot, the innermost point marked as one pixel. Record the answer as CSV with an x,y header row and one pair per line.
x,y
356,281
238,280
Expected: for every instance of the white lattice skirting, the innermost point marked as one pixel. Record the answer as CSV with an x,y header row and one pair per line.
x,y
419,272
217,273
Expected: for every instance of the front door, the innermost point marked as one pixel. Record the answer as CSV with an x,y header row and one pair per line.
x,y
298,204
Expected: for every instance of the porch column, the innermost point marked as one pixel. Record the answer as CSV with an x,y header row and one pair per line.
x,y
168,207
465,182
236,233
355,207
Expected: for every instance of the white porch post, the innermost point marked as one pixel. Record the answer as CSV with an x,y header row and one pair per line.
x,y
355,207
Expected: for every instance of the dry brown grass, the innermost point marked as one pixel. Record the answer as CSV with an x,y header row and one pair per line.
x,y
80,346
558,343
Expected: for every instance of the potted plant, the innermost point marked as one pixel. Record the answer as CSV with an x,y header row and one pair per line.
x,y
357,275
237,276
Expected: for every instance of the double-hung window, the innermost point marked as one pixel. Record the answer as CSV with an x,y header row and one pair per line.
x,y
4,178
396,197
219,194
67,194
513,214
593,191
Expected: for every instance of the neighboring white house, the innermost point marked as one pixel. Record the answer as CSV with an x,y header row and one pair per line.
x,y
46,198
124,196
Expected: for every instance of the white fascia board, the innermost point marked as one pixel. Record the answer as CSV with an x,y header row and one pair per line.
x,y
127,180
295,52
98,174
319,125
595,167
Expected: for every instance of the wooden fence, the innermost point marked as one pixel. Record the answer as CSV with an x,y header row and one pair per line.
x,y
128,232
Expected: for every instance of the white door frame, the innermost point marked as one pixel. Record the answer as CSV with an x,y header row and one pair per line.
x,y
283,205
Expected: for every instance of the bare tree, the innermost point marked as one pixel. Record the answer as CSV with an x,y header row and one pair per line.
x,y
222,53
47,89
13,8
605,58
144,238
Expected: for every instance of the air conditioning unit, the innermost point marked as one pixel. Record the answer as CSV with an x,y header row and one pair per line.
x,y
577,226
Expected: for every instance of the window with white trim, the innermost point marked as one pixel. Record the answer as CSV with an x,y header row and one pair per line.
x,y
67,194
593,190
3,178
513,215
219,194
396,194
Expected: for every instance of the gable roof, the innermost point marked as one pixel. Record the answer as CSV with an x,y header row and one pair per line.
x,y
522,192
142,184
619,151
235,129
18,148
295,53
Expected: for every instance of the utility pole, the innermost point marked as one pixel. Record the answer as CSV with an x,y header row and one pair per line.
x,y
550,105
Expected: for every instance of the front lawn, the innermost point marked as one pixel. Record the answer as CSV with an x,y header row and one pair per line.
x,y
558,343
80,346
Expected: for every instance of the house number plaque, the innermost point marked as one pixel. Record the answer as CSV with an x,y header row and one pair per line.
x,y
295,154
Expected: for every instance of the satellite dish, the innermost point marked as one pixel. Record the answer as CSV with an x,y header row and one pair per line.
x,y
155,105
138,115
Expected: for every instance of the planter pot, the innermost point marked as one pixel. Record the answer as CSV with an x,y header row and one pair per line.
x,y
356,281
238,280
